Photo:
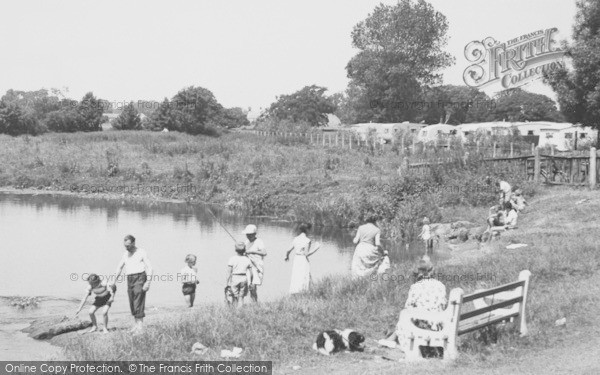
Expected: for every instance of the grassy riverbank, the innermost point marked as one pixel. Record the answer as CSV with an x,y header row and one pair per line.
x,y
260,176
562,255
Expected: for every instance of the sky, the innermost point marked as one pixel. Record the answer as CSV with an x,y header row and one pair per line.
x,y
245,52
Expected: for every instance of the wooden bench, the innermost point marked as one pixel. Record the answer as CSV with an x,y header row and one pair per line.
x,y
508,303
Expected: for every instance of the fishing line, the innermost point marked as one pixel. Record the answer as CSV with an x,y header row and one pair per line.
x,y
233,238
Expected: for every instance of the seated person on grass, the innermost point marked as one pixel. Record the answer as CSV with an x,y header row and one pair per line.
x,y
511,218
427,295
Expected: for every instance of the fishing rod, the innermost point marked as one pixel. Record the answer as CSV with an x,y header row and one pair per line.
x,y
233,238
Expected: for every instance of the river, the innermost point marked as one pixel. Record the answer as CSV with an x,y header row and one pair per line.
x,y
50,243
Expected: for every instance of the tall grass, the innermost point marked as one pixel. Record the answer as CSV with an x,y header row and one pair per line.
x,y
263,176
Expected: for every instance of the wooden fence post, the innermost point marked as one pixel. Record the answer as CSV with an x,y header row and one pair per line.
x,y
494,150
536,165
511,150
593,169
402,146
552,151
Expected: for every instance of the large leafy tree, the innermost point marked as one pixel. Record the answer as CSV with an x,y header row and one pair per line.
x,y
578,87
195,109
233,118
15,121
309,105
163,118
66,120
129,119
450,104
400,52
521,105
90,109
37,103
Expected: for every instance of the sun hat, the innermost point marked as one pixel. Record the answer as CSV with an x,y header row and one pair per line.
x,y
240,246
250,229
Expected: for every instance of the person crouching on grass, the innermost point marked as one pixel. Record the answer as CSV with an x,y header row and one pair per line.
x,y
239,270
189,278
105,295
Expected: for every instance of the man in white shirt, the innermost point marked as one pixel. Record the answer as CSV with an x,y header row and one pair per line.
x,y
255,250
139,273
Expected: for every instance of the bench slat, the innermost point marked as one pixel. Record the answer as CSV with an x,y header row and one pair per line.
x,y
501,288
489,308
473,327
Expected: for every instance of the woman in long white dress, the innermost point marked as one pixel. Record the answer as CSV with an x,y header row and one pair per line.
x,y
301,246
368,255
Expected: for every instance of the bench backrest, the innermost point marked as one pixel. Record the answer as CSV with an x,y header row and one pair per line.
x,y
507,295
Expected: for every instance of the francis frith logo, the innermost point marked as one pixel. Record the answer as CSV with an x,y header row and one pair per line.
x,y
513,63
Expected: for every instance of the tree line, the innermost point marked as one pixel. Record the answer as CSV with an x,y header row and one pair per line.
x,y
193,110
394,77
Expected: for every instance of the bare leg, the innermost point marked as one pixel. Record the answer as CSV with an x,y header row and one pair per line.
x,y
192,298
254,293
105,318
93,318
188,300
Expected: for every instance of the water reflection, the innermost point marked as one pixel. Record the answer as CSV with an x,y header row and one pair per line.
x,y
46,238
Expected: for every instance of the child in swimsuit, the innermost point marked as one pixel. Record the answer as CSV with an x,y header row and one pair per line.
x,y
189,278
105,295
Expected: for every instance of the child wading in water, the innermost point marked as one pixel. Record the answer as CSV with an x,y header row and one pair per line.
x,y
426,236
105,295
239,270
189,278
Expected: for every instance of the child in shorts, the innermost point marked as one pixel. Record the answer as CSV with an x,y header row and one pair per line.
x,y
105,295
426,236
189,279
239,271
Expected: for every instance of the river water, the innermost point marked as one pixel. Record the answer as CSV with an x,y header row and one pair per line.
x,y
50,243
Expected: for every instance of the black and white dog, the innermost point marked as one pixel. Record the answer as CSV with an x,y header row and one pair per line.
x,y
335,341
